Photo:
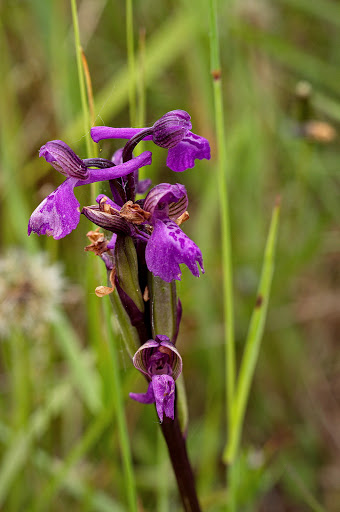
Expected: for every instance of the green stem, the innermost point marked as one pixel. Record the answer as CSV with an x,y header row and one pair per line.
x,y
131,61
129,479
82,89
162,492
228,305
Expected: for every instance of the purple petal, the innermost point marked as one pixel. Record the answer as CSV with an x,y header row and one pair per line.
x,y
108,201
58,214
144,398
117,156
143,185
161,337
118,171
182,156
106,132
164,393
112,243
167,248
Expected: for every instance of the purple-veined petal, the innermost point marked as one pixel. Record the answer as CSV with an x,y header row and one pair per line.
x,y
167,248
64,159
160,346
164,393
58,214
114,223
140,359
176,359
183,155
171,128
144,398
173,195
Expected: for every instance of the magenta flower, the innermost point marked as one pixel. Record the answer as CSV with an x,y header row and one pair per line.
x,y
161,362
172,131
167,246
59,213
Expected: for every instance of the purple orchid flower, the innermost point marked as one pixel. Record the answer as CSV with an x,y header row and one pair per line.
x,y
161,362
167,246
172,131
59,213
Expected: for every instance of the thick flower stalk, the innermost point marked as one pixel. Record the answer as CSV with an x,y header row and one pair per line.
x,y
142,246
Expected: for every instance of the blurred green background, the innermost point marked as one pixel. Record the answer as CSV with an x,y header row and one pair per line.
x,y
58,436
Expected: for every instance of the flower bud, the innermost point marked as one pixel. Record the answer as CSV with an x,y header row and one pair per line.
x,y
106,220
171,129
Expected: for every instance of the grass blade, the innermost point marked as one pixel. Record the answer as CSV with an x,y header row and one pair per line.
x,y
253,341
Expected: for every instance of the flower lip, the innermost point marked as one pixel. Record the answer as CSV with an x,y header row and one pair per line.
x,y
64,159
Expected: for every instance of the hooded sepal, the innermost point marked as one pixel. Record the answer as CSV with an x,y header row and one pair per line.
x,y
64,159
158,357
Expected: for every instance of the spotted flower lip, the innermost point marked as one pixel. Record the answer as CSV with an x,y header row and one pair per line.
x,y
161,362
171,131
59,213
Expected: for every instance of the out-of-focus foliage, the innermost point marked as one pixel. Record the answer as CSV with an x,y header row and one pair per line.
x,y
58,437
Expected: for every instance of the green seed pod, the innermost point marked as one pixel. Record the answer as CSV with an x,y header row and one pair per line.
x,y
163,307
127,269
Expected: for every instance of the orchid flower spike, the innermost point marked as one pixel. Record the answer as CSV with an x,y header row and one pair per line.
x,y
171,131
161,362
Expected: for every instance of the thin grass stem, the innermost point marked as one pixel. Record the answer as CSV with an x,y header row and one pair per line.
x,y
228,304
131,61
84,104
